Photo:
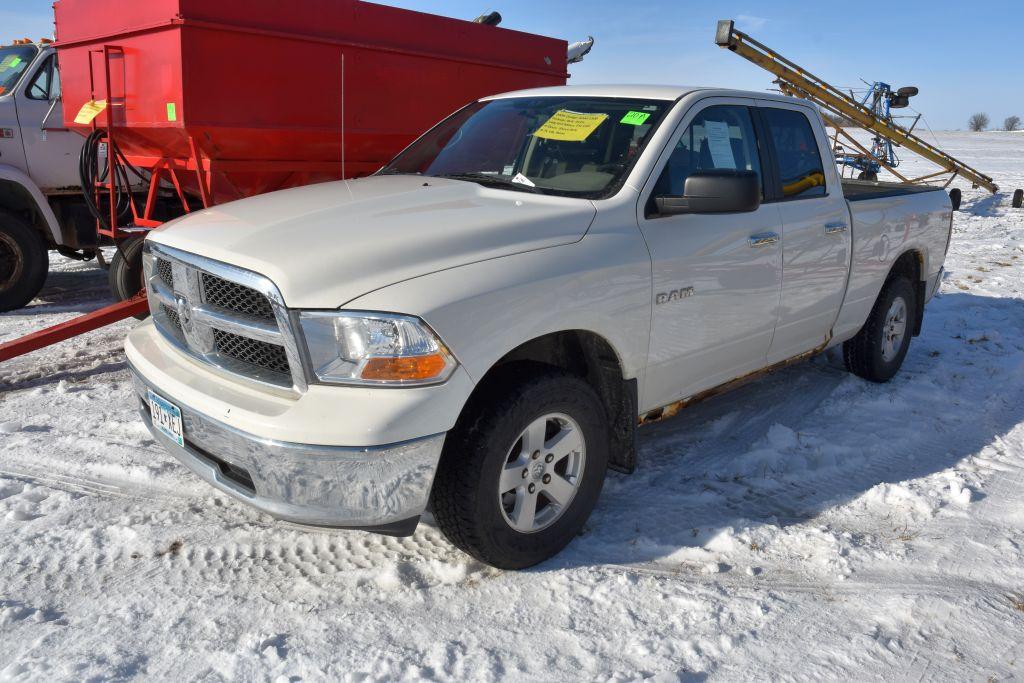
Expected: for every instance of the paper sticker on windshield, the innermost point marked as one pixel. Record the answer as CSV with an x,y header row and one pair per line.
x,y
9,62
523,180
635,118
570,126
719,144
89,111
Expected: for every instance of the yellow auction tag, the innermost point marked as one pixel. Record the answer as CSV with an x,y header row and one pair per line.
x,y
89,111
570,126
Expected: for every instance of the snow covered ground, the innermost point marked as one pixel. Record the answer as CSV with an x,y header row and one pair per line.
x,y
810,525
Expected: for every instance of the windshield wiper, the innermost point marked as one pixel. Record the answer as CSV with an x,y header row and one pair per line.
x,y
493,179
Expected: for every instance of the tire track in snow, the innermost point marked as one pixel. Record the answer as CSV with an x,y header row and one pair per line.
x,y
106,488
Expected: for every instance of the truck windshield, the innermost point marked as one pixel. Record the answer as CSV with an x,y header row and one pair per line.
x,y
569,146
13,62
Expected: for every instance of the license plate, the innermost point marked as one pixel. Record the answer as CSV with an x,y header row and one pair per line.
x,y
166,418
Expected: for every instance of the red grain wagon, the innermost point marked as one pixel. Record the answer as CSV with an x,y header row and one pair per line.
x,y
258,95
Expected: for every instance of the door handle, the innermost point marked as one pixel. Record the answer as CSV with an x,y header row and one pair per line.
x,y
835,228
49,113
763,239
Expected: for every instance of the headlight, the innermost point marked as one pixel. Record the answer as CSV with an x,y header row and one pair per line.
x,y
374,348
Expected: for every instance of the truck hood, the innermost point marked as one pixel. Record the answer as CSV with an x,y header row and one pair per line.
x,y
324,245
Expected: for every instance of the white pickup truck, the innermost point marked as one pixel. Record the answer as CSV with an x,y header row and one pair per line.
x,y
479,328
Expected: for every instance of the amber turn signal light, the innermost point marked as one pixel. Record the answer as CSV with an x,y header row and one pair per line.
x,y
404,369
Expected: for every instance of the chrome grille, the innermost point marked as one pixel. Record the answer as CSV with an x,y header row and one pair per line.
x,y
252,351
172,318
232,296
231,318
165,272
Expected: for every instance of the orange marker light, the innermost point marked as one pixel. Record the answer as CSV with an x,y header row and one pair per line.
x,y
410,368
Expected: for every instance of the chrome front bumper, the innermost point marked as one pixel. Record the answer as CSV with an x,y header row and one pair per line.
x,y
383,489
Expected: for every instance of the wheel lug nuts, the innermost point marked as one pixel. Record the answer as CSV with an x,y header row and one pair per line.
x,y
526,473
546,479
549,457
536,454
532,488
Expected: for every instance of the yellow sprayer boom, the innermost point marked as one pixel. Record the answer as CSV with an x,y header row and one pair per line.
x,y
798,82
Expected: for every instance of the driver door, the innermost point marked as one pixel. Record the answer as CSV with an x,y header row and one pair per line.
x,y
51,150
717,277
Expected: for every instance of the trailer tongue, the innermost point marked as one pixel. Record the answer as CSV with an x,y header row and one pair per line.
x,y
186,104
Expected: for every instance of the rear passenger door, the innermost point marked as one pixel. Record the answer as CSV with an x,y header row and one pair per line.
x,y
815,228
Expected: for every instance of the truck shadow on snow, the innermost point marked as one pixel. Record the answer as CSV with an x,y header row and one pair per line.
x,y
789,447
82,289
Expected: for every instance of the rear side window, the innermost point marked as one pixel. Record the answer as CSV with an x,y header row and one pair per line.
x,y
800,169
720,137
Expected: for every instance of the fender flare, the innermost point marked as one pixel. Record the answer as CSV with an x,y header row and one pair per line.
x,y
21,179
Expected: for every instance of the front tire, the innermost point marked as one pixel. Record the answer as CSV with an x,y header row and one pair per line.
x,y
523,469
24,262
878,350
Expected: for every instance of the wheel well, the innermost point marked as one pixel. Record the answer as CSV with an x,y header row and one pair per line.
x,y
590,357
15,199
910,264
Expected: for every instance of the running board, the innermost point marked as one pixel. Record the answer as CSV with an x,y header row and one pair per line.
x,y
137,305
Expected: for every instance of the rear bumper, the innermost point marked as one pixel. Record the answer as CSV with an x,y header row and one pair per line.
x,y
379,488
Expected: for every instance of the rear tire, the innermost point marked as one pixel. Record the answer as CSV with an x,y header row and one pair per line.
x,y
1018,199
492,449
24,262
125,274
878,350
867,175
955,197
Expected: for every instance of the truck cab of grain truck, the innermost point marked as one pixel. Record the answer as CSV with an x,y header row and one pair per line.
x,y
40,195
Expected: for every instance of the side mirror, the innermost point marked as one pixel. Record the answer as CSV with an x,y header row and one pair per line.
x,y
717,191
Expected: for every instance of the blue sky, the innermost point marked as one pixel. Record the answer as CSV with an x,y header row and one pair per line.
x,y
964,58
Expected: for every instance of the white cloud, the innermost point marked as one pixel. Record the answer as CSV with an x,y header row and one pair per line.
x,y
748,21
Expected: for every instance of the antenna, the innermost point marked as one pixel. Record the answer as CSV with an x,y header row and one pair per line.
x,y
343,115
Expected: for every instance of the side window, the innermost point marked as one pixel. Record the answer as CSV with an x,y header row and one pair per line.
x,y
720,137
55,80
801,172
42,84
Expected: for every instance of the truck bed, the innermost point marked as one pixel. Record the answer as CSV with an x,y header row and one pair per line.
x,y
857,190
889,219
